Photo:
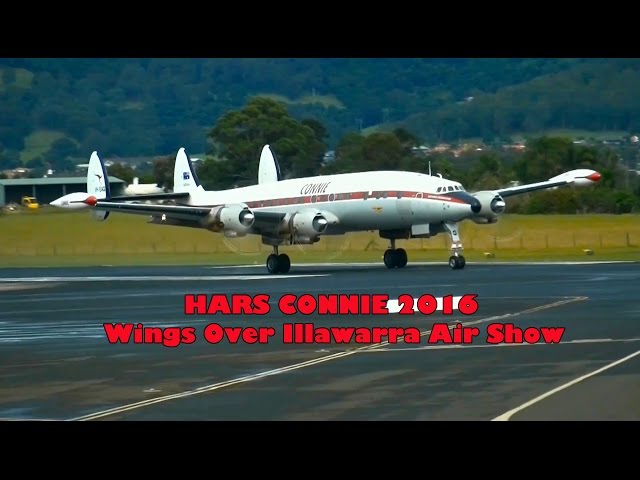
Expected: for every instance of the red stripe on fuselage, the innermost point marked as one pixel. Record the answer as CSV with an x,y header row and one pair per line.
x,y
340,197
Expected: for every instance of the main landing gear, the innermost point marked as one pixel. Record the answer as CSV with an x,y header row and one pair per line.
x,y
456,260
278,263
395,257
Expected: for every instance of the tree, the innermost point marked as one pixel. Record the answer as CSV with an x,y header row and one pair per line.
x,y
348,154
60,154
239,136
122,171
163,172
381,151
318,128
406,138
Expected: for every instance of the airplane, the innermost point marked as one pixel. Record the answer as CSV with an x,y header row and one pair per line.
x,y
137,188
299,211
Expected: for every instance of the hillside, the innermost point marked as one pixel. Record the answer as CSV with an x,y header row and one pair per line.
x,y
65,108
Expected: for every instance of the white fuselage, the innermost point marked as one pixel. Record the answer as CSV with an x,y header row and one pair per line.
x,y
142,189
360,201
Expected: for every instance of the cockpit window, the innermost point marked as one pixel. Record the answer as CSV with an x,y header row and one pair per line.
x,y
439,190
450,189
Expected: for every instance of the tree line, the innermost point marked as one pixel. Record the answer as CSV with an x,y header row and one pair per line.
x,y
236,139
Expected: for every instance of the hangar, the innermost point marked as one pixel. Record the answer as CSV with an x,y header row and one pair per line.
x,y
48,189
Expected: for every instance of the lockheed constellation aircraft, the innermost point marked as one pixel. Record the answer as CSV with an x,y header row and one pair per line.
x,y
397,204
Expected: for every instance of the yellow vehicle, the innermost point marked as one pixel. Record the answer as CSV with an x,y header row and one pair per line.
x,y
30,202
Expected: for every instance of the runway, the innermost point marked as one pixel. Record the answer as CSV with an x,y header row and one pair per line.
x,y
56,362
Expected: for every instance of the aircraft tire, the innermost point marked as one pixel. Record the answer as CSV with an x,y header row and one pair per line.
x,y
401,258
457,263
273,264
390,258
284,263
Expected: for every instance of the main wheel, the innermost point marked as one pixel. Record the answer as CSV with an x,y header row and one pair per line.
x,y
273,264
284,263
401,258
390,258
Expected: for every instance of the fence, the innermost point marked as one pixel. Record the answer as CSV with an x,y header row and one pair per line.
x,y
357,242
77,234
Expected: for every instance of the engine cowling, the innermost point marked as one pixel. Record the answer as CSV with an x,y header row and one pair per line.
x,y
493,205
233,220
307,224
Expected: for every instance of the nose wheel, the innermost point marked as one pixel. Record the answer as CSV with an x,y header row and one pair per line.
x,y
278,263
457,262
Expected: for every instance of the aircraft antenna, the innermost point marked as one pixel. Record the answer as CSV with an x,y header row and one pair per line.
x,y
429,167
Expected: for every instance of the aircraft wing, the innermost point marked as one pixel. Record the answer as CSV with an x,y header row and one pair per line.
x,y
183,212
580,177
262,223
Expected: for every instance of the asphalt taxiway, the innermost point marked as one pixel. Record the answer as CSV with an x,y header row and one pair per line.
x,y
55,362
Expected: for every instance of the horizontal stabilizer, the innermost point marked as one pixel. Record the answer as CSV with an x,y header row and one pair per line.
x,y
150,196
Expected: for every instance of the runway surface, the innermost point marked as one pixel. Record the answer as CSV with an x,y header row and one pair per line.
x,y
56,362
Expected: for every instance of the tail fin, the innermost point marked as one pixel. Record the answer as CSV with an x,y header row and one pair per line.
x,y
185,178
269,168
98,184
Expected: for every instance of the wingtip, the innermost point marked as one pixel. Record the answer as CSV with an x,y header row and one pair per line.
x,y
595,176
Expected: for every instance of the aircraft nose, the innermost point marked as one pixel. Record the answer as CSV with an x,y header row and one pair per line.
x,y
476,206
55,203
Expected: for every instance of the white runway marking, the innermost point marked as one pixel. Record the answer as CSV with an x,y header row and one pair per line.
x,y
289,368
157,278
19,286
489,345
14,332
507,415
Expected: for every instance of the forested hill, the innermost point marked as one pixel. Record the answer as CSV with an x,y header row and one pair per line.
x,y
140,107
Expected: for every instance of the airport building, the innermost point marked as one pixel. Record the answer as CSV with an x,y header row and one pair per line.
x,y
46,190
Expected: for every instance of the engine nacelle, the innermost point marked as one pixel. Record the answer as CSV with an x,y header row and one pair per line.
x,y
233,220
74,201
307,224
493,205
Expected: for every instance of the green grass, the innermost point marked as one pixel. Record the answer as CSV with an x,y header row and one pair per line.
x,y
38,143
52,237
